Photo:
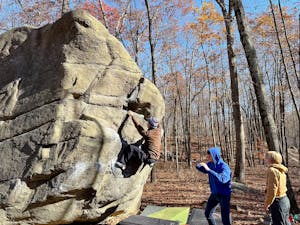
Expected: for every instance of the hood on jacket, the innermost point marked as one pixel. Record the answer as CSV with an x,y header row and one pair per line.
x,y
280,167
215,152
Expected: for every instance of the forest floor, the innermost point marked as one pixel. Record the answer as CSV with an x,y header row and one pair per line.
x,y
189,188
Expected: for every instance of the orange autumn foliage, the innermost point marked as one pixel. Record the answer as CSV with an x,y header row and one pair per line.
x,y
208,18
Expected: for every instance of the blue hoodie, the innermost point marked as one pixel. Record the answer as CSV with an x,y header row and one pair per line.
x,y
219,175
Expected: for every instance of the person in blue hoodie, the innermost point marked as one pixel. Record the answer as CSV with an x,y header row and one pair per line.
x,y
219,176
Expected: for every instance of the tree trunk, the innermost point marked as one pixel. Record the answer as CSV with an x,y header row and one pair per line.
x,y
250,141
282,125
65,7
103,14
209,94
153,64
181,115
198,124
217,118
187,132
165,146
175,135
225,127
239,172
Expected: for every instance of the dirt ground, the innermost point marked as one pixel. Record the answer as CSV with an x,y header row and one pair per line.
x,y
190,188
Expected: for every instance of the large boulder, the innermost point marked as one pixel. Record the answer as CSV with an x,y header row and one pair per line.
x,y
65,90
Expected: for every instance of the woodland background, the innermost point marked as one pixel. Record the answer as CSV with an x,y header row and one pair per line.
x,y
228,79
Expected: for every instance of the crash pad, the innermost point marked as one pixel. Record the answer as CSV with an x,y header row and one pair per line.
x,y
179,214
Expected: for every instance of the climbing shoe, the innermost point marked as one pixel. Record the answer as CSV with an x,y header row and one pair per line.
x,y
120,165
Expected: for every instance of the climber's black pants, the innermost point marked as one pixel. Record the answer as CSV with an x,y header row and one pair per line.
x,y
131,151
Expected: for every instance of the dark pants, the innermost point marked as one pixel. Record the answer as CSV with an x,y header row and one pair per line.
x,y
280,210
131,151
213,201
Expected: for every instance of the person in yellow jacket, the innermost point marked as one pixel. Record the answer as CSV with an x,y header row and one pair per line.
x,y
276,200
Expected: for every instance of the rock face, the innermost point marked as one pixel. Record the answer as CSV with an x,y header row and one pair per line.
x,y
65,90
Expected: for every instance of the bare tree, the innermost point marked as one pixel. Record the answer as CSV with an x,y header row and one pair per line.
x,y
119,26
103,14
65,7
239,172
136,31
175,128
209,94
150,38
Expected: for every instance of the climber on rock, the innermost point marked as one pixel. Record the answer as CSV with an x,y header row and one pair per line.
x,y
148,152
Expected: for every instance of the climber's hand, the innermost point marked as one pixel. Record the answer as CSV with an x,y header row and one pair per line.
x,y
130,113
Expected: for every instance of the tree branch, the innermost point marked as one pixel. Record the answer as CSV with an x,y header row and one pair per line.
x,y
121,19
103,14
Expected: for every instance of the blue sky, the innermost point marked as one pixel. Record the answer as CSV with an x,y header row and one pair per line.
x,y
250,6
262,5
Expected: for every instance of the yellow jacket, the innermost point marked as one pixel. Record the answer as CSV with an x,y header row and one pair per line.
x,y
276,183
